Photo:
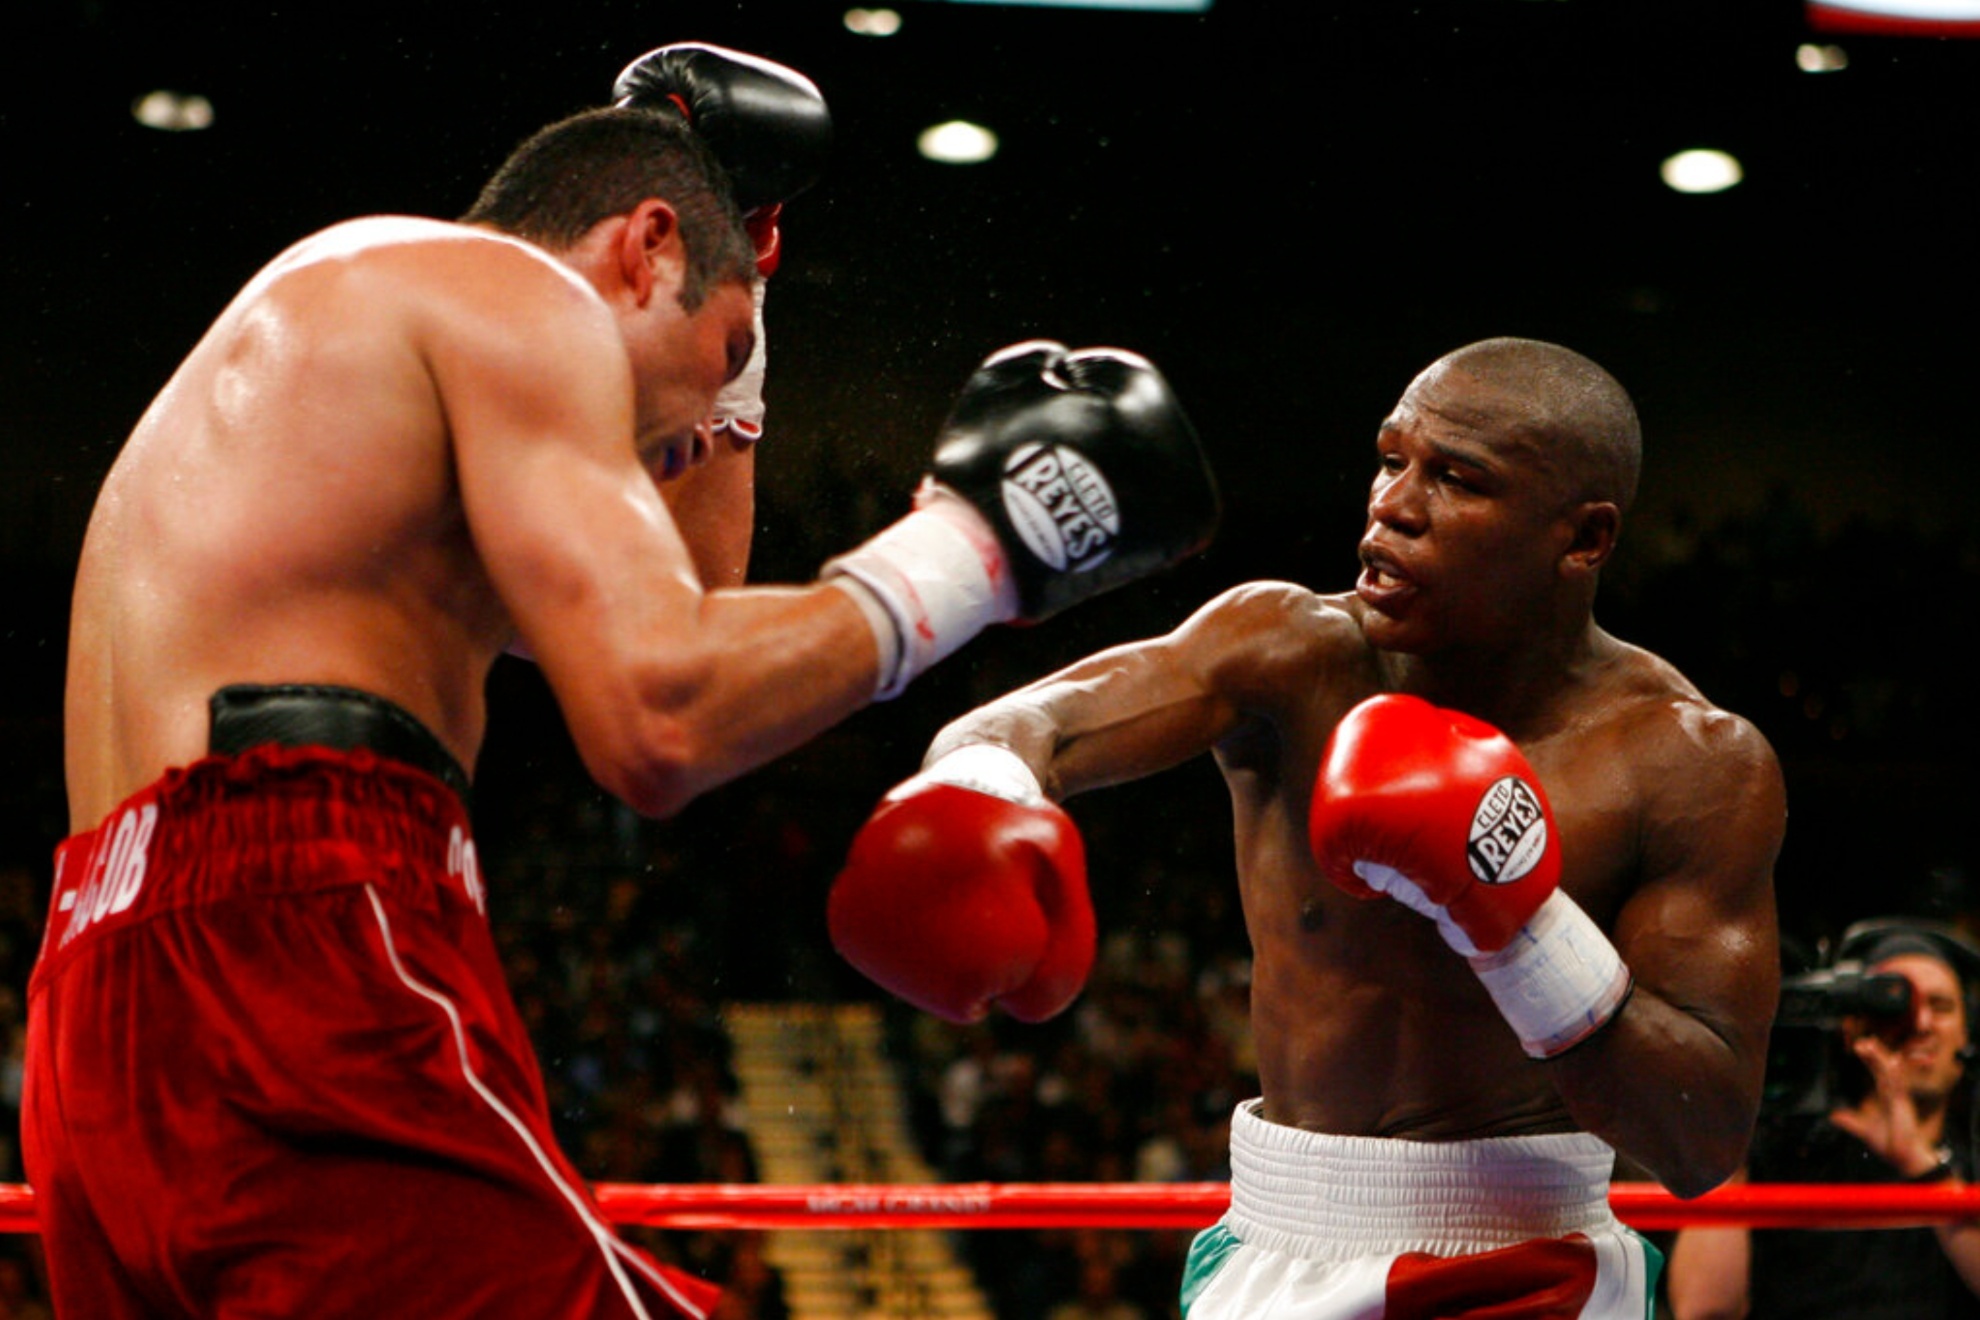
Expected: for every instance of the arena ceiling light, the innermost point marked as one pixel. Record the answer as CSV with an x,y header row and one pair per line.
x,y
1701,170
958,142
173,112
873,22
1812,58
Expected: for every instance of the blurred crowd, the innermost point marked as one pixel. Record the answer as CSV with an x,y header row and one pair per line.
x,y
624,939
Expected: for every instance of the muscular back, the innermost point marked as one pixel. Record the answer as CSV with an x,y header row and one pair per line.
x,y
287,511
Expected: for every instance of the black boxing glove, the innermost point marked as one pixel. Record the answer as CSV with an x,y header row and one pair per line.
x,y
767,124
1058,475
1085,461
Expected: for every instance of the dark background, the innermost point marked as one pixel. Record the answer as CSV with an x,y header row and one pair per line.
x,y
1291,206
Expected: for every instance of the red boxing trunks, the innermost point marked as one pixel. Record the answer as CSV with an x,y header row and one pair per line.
x,y
273,1068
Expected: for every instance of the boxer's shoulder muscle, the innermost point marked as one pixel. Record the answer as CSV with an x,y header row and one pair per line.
x,y
1289,661
1667,720
1268,645
434,286
1698,771
466,291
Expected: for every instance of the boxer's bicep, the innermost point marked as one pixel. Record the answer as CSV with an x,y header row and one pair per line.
x,y
1700,931
1674,1081
567,524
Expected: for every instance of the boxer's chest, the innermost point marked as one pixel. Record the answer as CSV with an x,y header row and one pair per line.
x,y
1596,810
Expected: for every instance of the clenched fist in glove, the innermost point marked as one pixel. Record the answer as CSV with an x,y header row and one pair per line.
x,y
766,123
1441,812
966,890
1059,474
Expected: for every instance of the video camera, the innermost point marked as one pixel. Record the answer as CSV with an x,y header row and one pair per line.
x,y
1804,1048
1824,998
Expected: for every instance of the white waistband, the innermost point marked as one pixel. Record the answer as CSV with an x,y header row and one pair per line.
x,y
1324,1197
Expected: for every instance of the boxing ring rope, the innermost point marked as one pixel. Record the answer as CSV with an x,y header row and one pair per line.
x,y
714,1206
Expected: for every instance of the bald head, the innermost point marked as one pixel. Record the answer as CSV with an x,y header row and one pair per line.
x,y
1570,403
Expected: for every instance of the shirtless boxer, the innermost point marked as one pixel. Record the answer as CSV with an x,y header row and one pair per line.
x,y
1410,1155
273,1069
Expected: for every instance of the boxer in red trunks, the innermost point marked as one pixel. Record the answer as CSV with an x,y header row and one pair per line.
x,y
354,1127
273,1069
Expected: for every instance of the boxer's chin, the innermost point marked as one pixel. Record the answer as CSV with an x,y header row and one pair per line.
x,y
1400,631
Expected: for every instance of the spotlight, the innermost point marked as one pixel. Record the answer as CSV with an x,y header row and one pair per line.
x,y
173,112
1701,171
873,22
958,143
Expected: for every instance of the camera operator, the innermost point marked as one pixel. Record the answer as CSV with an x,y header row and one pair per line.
x,y
1894,1120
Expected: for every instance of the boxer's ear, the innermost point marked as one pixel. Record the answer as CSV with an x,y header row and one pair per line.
x,y
1594,527
651,256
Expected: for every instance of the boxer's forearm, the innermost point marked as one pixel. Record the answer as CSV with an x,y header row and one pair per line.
x,y
714,506
713,690
1667,1090
1116,716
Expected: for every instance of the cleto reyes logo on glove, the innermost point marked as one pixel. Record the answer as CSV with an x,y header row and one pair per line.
x,y
1508,832
1061,505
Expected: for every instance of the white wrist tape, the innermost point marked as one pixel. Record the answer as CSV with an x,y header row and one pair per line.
x,y
939,578
886,633
739,407
990,769
1558,981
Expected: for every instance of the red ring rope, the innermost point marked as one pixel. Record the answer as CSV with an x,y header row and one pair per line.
x,y
1643,1206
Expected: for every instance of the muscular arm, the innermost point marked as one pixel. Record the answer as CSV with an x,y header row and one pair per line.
x,y
1130,711
668,688
1675,1079
714,506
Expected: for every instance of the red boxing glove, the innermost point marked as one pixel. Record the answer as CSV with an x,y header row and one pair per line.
x,y
1447,803
762,227
966,889
1441,812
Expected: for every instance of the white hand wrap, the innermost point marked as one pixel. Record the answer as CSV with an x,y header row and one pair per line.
x,y
1558,981
1388,880
989,769
739,407
927,584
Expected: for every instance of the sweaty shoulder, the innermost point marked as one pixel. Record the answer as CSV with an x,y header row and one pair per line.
x,y
1692,759
422,249
512,338
1265,644
464,276
1654,701
446,283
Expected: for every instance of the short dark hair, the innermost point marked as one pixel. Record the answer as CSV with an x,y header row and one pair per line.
x,y
600,163
1575,403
